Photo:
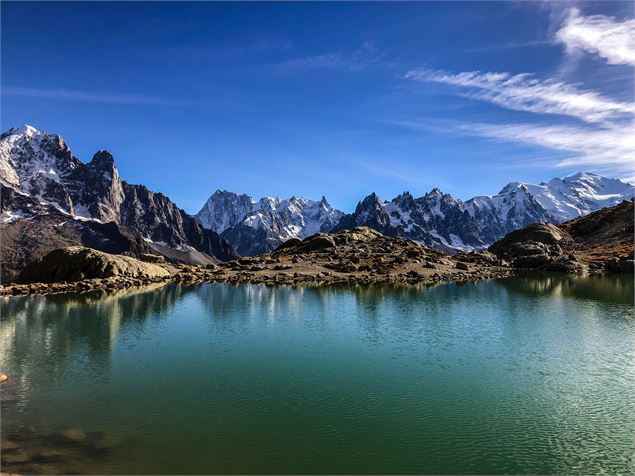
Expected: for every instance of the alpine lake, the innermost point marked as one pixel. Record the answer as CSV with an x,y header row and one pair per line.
x,y
524,375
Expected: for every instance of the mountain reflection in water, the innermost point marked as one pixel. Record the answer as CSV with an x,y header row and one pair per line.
x,y
532,374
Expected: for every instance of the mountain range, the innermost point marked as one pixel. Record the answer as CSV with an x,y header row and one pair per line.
x,y
435,219
253,226
51,199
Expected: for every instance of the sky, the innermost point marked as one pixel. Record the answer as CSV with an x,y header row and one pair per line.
x,y
335,99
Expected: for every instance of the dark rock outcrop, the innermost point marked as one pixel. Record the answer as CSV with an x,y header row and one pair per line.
x,y
320,241
370,212
76,263
621,264
600,240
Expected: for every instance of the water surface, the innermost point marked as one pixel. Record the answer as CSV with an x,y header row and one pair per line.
x,y
522,375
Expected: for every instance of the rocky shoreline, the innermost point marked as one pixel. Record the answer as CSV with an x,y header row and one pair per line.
x,y
360,255
599,242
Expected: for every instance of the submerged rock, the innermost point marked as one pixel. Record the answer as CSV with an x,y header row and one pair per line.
x,y
14,457
71,435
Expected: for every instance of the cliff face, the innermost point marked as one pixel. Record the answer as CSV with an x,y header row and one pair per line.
x,y
50,199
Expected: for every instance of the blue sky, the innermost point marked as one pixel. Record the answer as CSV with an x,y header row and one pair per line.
x,y
340,99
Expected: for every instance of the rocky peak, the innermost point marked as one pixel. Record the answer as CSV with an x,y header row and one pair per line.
x,y
254,227
371,201
103,157
38,164
268,203
224,209
97,189
369,212
435,192
41,167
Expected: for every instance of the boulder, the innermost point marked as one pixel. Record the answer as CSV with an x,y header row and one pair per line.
x,y
152,258
533,261
357,234
538,246
537,234
290,243
317,242
565,265
624,264
76,263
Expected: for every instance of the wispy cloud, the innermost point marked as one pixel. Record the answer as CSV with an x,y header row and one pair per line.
x,y
92,96
309,63
353,61
610,39
523,92
601,136
605,147
510,46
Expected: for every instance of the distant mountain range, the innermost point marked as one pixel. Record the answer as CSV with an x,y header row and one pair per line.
x,y
435,219
438,220
256,226
51,199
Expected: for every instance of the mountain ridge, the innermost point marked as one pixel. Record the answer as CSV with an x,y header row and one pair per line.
x,y
256,226
40,177
437,219
70,202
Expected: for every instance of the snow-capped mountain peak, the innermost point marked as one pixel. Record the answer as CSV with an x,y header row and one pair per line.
x,y
88,204
435,192
36,163
24,131
224,209
437,219
255,226
555,201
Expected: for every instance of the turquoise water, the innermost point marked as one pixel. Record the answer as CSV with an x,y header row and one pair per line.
x,y
523,375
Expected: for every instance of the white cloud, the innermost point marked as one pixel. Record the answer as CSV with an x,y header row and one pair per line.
x,y
605,139
598,34
367,55
308,63
602,136
602,148
523,92
606,147
91,96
